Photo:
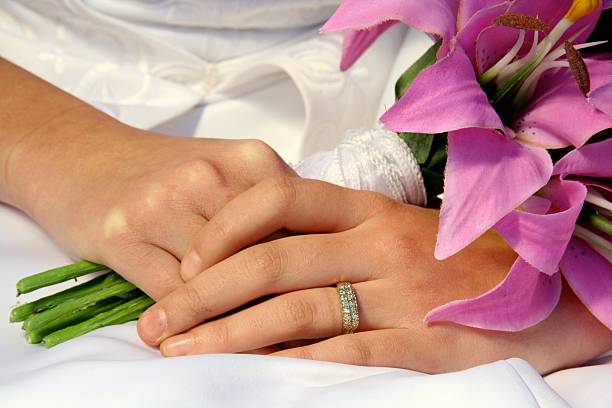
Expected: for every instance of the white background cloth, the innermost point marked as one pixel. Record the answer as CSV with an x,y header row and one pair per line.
x,y
110,366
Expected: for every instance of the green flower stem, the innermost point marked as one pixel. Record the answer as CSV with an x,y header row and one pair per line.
x,y
39,320
22,312
74,317
120,314
57,275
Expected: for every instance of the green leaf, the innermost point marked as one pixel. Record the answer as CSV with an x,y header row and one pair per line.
x,y
415,69
434,186
419,143
437,161
422,145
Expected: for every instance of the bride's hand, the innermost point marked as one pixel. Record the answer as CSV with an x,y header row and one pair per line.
x,y
130,199
383,248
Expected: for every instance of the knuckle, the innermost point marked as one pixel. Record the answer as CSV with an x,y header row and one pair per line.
x,y
216,229
358,352
282,191
255,150
268,261
299,315
118,232
200,171
394,248
379,203
192,300
222,337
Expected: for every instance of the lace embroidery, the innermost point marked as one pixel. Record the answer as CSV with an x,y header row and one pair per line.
x,y
370,159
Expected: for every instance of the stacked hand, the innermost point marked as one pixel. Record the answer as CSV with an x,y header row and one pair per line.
x,y
261,249
278,296
135,200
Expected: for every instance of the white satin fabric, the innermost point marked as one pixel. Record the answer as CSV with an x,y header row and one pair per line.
x,y
145,67
235,69
111,367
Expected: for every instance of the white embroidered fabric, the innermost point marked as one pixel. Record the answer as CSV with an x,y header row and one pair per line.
x,y
145,66
369,159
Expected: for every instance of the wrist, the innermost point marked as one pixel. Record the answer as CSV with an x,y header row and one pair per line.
x,y
40,166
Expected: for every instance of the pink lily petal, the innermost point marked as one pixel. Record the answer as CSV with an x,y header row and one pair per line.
x,y
601,98
551,11
590,277
358,41
541,239
523,299
479,21
436,17
590,160
558,114
487,176
469,8
493,43
536,205
587,181
448,86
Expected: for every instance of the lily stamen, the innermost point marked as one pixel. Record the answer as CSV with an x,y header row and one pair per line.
x,y
600,245
502,63
522,22
525,72
528,87
578,68
511,69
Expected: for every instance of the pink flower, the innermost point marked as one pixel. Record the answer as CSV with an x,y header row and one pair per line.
x,y
527,296
496,164
493,165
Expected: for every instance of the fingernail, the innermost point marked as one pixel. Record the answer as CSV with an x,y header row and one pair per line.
x,y
153,324
178,346
191,265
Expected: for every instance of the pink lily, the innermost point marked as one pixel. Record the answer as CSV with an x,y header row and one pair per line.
x,y
527,295
493,165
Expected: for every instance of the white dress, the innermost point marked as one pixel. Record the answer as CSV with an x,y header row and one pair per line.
x,y
189,68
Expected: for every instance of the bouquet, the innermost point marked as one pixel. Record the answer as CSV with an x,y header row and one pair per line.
x,y
505,110
505,118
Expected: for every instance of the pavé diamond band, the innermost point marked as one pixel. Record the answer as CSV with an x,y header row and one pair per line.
x,y
350,312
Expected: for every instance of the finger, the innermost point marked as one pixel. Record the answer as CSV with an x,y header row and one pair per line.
x,y
281,266
299,205
176,234
216,182
305,314
381,348
264,351
149,267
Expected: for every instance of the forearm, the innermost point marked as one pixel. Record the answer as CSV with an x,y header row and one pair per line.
x,y
38,125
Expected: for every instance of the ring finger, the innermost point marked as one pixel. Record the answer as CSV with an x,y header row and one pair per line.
x,y
289,264
305,314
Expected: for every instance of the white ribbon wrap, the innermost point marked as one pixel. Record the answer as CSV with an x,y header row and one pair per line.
x,y
373,160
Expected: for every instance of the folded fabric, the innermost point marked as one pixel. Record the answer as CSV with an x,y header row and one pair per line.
x,y
146,73
235,14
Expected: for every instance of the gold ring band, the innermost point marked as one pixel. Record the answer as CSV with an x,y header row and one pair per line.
x,y
350,311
